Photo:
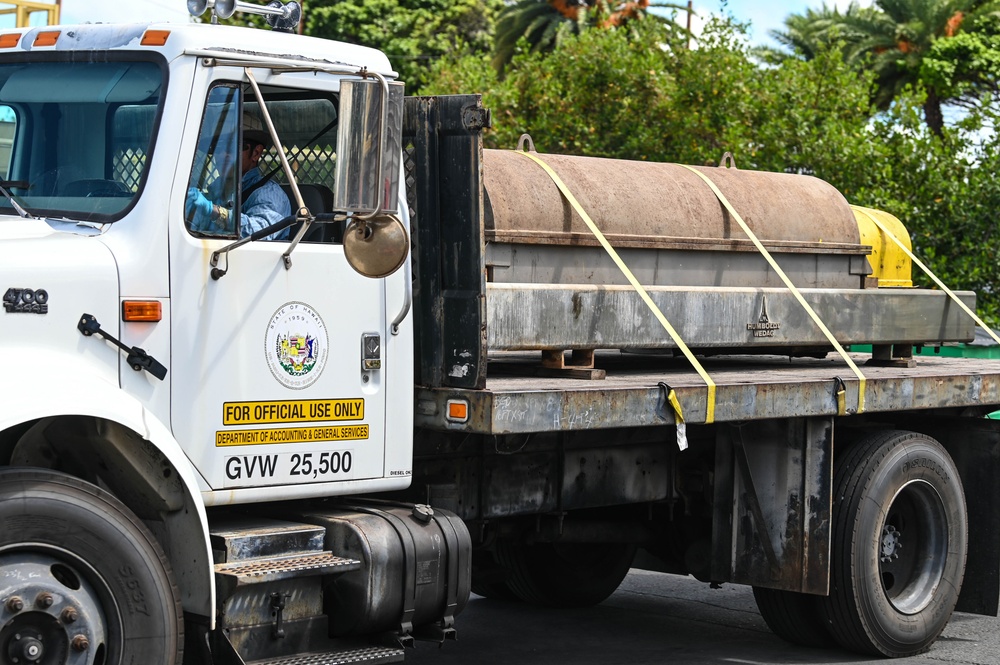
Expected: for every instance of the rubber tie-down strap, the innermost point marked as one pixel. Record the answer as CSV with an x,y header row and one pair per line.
x,y
788,283
710,402
867,212
840,394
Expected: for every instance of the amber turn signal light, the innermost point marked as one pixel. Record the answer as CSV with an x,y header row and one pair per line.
x,y
149,311
458,410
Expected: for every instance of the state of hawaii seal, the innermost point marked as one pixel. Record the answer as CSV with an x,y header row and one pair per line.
x,y
296,345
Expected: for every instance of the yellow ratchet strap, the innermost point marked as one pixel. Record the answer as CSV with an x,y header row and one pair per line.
x,y
710,406
867,213
676,403
791,287
671,398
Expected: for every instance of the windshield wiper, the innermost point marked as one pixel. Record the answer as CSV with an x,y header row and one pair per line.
x,y
4,184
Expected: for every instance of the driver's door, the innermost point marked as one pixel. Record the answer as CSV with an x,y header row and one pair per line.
x,y
268,386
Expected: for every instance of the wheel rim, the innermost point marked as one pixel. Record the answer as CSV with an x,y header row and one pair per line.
x,y
54,609
913,547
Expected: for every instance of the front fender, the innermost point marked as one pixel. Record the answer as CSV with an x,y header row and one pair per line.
x,y
32,401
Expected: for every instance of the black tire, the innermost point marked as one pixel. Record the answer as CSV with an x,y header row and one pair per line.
x,y
88,572
493,590
900,534
794,617
565,574
489,579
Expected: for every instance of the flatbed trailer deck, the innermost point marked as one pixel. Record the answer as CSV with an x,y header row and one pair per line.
x,y
516,400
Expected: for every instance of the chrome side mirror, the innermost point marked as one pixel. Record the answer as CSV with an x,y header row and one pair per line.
x,y
376,247
369,147
369,152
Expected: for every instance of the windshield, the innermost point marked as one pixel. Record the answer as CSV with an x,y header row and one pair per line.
x,y
75,136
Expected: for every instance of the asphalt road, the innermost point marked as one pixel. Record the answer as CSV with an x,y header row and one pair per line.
x,y
659,618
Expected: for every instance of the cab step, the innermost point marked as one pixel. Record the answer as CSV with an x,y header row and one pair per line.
x,y
239,538
368,656
256,551
256,571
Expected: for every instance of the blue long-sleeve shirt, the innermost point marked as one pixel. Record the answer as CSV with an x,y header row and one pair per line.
x,y
266,205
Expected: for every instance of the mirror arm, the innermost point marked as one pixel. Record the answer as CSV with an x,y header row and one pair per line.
x,y
277,141
218,273
309,221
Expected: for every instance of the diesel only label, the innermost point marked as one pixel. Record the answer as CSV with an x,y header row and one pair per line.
x,y
292,411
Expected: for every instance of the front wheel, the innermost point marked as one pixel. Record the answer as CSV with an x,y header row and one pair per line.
x,y
82,580
900,533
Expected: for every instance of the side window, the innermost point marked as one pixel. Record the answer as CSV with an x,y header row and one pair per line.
x,y
210,207
308,131
306,123
131,127
8,125
238,185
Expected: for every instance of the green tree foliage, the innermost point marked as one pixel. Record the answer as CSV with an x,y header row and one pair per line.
x,y
604,93
896,39
966,68
806,35
413,33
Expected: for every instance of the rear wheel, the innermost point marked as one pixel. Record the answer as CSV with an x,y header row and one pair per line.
x,y
794,617
82,580
899,543
489,579
565,574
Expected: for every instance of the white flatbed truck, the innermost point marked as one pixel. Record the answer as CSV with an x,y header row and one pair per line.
x,y
220,448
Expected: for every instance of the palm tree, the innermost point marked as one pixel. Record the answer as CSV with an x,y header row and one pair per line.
x,y
544,23
893,38
805,35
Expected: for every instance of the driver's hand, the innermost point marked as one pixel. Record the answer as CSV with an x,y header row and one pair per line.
x,y
198,209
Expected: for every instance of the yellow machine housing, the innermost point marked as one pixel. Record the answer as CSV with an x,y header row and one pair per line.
x,y
890,264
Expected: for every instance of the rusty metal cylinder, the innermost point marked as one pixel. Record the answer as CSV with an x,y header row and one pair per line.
x,y
648,204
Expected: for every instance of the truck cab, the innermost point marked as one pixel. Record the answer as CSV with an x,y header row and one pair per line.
x,y
171,369
106,154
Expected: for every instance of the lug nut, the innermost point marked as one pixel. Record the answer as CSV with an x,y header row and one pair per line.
x,y
15,604
81,643
44,600
69,615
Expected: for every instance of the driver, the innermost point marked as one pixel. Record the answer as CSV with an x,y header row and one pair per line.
x,y
264,202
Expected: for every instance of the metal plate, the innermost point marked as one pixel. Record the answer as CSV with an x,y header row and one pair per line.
x,y
527,316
